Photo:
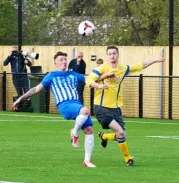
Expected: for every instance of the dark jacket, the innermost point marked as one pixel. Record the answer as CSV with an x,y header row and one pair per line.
x,y
81,69
17,63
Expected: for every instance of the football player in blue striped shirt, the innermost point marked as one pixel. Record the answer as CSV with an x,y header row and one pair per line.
x,y
63,85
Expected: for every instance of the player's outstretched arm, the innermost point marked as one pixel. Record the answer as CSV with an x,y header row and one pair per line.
x,y
156,60
31,92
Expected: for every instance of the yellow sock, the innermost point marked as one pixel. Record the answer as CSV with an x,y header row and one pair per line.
x,y
109,136
125,151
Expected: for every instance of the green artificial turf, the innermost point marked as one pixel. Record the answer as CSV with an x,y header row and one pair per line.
x,y
35,148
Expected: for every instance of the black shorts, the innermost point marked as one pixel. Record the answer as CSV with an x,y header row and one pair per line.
x,y
106,115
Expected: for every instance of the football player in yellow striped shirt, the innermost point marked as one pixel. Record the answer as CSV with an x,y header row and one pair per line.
x,y
108,102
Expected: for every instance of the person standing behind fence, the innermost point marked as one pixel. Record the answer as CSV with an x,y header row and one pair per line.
x,y
18,68
78,65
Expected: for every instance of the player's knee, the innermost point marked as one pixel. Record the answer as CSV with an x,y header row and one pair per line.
x,y
88,130
120,134
84,111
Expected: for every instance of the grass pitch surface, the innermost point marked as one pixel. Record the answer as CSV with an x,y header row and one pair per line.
x,y
36,148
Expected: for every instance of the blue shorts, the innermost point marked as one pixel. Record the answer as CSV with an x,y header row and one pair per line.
x,y
70,110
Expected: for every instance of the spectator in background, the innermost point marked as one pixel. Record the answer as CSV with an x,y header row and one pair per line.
x,y
78,65
18,67
99,62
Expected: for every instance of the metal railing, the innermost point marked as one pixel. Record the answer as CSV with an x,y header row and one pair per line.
x,y
144,96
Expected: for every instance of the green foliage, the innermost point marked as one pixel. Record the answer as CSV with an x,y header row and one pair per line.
x,y
141,22
79,7
127,22
8,23
121,34
39,15
109,8
149,14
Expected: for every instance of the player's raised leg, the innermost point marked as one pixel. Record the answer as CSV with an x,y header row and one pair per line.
x,y
80,120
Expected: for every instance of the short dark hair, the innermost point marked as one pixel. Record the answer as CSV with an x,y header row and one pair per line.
x,y
112,47
99,61
59,53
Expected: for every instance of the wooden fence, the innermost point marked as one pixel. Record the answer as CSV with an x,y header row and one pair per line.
x,y
128,55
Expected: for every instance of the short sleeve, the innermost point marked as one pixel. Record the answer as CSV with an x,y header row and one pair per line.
x,y
81,78
95,75
97,72
135,68
47,80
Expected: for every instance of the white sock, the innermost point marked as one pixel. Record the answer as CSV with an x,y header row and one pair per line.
x,y
80,120
89,145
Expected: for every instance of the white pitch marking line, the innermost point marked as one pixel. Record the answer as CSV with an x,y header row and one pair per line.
x,y
31,116
150,122
60,118
9,182
165,137
36,120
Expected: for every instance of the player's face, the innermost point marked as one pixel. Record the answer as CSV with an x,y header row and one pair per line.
x,y
61,63
112,55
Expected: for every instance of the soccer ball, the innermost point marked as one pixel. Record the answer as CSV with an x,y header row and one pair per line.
x,y
86,28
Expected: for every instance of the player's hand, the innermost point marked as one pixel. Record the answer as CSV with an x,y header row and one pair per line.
x,y
111,75
103,86
16,104
108,75
159,59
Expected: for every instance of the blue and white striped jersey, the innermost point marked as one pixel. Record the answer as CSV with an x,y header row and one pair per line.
x,y
63,85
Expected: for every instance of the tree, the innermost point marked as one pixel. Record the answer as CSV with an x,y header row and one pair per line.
x,y
8,23
37,20
140,22
119,22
